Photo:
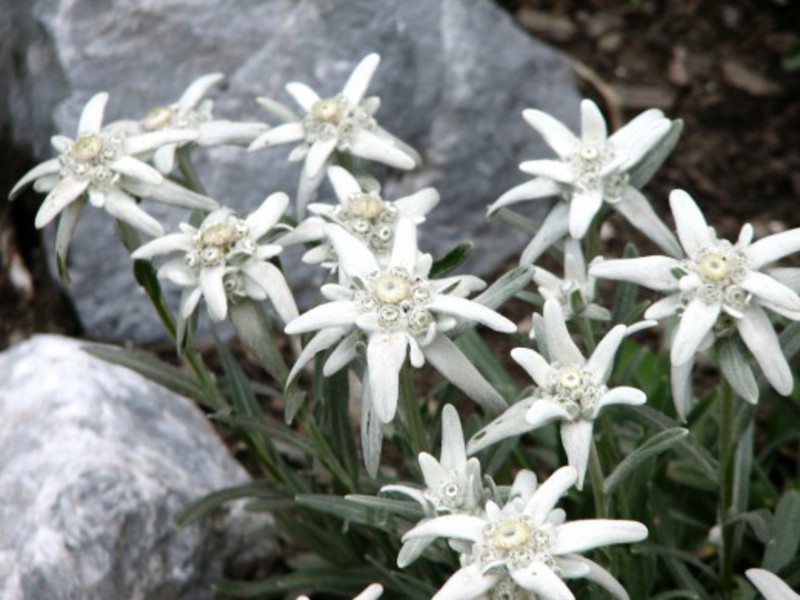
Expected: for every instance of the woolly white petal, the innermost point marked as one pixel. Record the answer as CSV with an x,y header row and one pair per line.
x,y
760,338
621,395
768,289
178,272
770,585
639,213
471,311
773,247
637,146
66,192
454,454
554,132
666,307
372,147
555,170
127,165
342,355
198,88
318,155
544,411
282,134
549,492
271,279
48,167
321,341
576,437
540,579
510,424
371,431
386,353
148,142
681,383
578,536
601,361
540,187
266,216
692,228
593,125
303,95
344,184
359,79
603,578
467,583
554,227
354,257
459,527
653,272
534,364
214,292
696,321
559,343
582,209
122,206
330,314
419,204
404,247
92,116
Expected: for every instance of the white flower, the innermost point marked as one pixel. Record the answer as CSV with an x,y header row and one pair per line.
x,y
103,165
192,112
343,123
397,310
569,388
716,289
591,169
770,586
372,592
222,260
363,213
576,291
529,543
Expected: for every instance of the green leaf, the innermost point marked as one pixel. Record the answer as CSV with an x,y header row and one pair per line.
x,y
294,402
782,548
346,510
626,293
791,60
213,502
517,221
346,583
154,369
505,287
760,521
637,459
255,332
329,458
451,260
403,508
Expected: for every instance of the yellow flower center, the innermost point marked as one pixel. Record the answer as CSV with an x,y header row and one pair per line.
x,y
87,148
392,289
326,110
510,534
570,379
589,153
157,118
714,267
219,235
365,206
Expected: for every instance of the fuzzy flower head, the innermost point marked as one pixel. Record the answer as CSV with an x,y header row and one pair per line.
x,y
223,260
362,212
104,165
718,288
594,168
193,112
569,388
527,547
343,123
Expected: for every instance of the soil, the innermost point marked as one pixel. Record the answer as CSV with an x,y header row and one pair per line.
x,y
716,65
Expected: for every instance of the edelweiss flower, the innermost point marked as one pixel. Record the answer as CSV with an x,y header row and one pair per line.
x,y
717,288
372,592
193,113
770,586
222,260
569,388
591,169
528,544
362,213
343,123
103,165
398,310
575,293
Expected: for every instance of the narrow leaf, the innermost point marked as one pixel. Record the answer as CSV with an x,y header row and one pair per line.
x,y
657,444
451,260
783,547
214,501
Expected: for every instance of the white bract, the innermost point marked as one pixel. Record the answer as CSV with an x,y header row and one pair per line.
x,y
343,123
592,169
365,214
372,592
191,112
222,260
104,165
569,388
397,311
770,585
527,546
576,291
718,288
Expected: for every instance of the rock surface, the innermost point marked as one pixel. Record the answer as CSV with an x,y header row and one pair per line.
x,y
95,464
454,79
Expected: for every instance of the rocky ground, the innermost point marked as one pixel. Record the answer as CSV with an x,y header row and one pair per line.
x,y
728,69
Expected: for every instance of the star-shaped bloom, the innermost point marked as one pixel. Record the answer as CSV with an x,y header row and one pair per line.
x,y
717,288
530,544
223,260
192,112
575,292
397,311
341,123
569,388
363,213
104,165
770,585
592,169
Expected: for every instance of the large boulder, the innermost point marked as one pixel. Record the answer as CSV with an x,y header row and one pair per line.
x,y
454,79
95,464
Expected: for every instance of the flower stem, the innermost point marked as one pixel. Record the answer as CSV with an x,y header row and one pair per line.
x,y
188,171
408,397
596,475
727,451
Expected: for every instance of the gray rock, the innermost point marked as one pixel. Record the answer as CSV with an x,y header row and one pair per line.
x,y
454,78
95,464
